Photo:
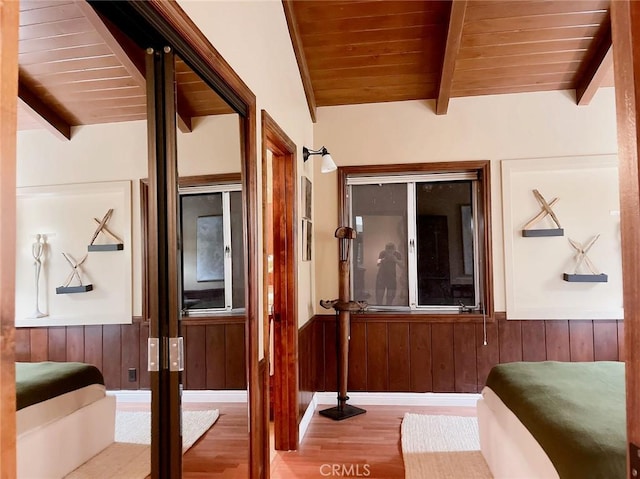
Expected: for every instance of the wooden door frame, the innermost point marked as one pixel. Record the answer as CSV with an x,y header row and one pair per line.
x,y
286,387
625,23
9,14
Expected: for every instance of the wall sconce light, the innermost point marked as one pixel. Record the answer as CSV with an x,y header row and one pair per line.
x,y
327,162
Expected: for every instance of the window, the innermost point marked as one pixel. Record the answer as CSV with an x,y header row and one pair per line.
x,y
422,239
212,248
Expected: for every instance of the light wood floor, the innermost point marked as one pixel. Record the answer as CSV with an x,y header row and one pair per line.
x,y
371,439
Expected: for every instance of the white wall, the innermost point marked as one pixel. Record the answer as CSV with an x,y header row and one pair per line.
x,y
118,151
497,127
253,38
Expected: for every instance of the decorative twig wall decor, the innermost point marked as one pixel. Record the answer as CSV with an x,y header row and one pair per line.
x,y
547,210
582,258
102,228
66,288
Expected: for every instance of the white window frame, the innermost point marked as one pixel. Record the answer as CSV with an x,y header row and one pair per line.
x,y
412,274
226,190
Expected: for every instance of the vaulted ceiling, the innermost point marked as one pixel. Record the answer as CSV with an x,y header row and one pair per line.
x,y
76,68
352,51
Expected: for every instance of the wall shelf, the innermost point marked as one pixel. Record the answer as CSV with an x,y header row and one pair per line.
x,y
585,278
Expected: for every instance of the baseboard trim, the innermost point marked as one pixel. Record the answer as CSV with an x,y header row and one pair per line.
x,y
306,418
190,395
401,399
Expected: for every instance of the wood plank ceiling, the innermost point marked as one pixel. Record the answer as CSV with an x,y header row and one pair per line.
x,y
352,51
77,69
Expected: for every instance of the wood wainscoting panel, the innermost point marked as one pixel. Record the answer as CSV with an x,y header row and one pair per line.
x,y
442,357
420,357
414,356
214,352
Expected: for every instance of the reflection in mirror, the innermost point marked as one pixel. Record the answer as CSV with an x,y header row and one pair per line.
x,y
83,131
212,248
212,282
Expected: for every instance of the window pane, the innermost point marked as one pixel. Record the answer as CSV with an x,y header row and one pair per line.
x,y
237,248
444,243
202,251
379,263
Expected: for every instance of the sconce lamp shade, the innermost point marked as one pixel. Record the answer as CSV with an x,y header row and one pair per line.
x,y
327,162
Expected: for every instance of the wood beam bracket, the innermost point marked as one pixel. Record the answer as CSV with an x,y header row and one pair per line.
x,y
298,48
51,119
598,62
454,38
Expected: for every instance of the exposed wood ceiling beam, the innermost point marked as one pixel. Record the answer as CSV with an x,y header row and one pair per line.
x,y
296,40
50,118
598,63
131,57
454,37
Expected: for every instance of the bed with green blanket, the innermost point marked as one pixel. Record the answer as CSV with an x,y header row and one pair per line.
x,y
554,420
63,417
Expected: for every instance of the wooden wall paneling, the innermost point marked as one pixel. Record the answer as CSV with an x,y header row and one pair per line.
x,y
557,336
443,357
621,342
39,344
23,344
420,357
581,340
378,352
93,353
330,360
130,355
215,350
533,341
488,355
605,341
357,357
318,367
195,337
75,343
143,374
510,339
399,357
306,364
57,344
235,358
465,358
112,362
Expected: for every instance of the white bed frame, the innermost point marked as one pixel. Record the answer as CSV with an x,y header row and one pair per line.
x,y
59,447
507,445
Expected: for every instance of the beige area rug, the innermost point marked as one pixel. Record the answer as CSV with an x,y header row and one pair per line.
x,y
129,456
442,447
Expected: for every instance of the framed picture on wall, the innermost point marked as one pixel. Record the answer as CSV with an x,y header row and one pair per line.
x,y
306,197
307,235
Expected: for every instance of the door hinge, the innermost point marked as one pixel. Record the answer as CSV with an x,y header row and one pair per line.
x,y
153,355
634,460
176,354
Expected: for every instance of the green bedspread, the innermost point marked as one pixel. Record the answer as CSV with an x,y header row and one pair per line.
x,y
576,411
37,382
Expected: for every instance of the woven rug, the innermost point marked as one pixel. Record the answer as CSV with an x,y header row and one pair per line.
x,y
129,456
442,447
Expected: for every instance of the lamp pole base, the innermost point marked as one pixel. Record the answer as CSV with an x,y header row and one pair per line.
x,y
339,413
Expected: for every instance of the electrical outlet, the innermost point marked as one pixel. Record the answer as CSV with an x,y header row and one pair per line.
x,y
133,375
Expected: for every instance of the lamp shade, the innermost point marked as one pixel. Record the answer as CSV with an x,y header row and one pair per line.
x,y
327,163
